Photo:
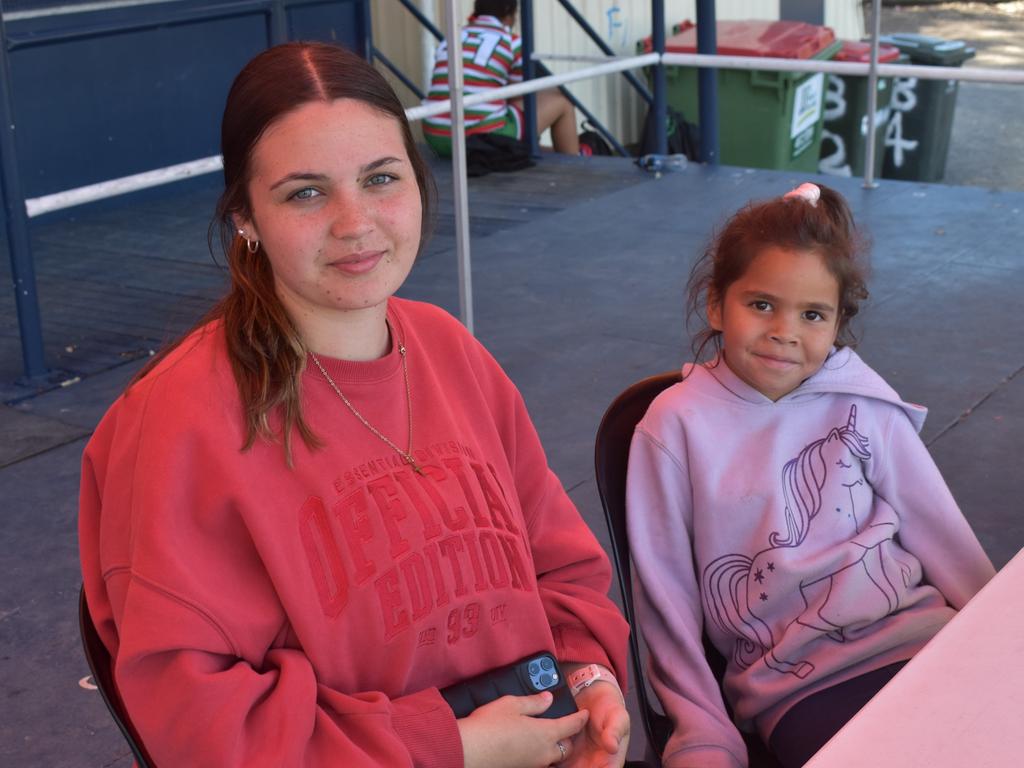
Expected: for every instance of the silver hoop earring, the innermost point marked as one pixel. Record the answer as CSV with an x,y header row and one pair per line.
x,y
251,245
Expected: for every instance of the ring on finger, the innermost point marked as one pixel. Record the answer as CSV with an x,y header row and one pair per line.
x,y
561,748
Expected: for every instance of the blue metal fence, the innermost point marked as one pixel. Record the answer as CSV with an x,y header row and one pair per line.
x,y
129,76
183,55
16,221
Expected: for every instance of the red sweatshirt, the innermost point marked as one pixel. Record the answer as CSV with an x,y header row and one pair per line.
x,y
260,615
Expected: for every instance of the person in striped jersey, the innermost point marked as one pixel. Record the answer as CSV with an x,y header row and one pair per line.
x,y
492,58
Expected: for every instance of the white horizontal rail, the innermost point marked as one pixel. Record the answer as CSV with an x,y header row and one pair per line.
x,y
607,65
617,64
979,74
90,193
975,74
57,201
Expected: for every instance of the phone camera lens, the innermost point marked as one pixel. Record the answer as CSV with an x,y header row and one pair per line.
x,y
546,663
545,680
534,668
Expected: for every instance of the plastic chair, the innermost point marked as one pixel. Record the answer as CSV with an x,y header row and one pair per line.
x,y
611,456
102,668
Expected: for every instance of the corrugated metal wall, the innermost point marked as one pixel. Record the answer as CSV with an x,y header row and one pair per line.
x,y
620,22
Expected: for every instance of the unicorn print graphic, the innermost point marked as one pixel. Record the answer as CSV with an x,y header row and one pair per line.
x,y
828,573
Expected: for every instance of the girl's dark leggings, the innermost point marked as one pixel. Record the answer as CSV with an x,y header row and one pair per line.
x,y
805,728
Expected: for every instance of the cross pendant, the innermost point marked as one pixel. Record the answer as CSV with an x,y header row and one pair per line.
x,y
412,463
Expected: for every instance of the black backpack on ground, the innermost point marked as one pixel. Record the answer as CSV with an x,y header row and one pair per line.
x,y
487,152
683,137
592,143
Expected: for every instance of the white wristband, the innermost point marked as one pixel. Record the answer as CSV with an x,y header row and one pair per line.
x,y
584,677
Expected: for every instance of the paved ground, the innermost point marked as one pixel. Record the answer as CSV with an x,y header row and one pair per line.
x,y
987,144
578,294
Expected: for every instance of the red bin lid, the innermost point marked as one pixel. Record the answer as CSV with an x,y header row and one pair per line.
x,y
861,52
770,39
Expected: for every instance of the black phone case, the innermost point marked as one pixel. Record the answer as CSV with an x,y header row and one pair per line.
x,y
516,680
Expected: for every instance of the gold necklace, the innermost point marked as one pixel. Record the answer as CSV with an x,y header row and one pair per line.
x,y
406,454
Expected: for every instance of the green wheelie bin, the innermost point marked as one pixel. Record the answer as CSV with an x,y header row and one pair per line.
x,y
921,111
844,137
766,119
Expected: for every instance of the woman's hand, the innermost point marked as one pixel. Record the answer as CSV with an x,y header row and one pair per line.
x,y
507,733
604,741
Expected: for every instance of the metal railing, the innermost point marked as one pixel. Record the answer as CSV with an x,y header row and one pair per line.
x,y
18,210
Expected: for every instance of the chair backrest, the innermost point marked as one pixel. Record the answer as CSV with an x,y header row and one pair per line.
x,y
102,668
611,454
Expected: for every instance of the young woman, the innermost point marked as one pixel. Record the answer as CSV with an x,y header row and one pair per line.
x,y
325,503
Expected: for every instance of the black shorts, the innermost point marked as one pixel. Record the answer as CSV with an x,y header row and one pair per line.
x,y
805,728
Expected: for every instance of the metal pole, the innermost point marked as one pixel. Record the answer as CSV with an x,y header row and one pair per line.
x,y
377,55
16,220
278,23
660,106
367,22
461,196
530,99
428,40
707,82
869,150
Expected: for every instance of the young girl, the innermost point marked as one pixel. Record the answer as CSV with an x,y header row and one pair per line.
x,y
781,502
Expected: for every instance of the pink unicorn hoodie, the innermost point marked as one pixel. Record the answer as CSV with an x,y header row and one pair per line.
x,y
812,539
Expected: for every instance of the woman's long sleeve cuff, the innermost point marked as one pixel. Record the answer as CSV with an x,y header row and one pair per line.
x,y
431,735
575,643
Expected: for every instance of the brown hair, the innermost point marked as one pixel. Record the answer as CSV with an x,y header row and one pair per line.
x,y
826,228
499,8
266,353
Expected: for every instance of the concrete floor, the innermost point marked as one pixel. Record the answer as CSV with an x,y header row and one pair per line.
x,y
579,270
986,144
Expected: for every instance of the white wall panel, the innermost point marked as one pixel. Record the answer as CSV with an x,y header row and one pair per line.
x,y
846,17
620,22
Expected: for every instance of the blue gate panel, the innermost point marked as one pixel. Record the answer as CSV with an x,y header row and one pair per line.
x,y
107,94
100,108
338,22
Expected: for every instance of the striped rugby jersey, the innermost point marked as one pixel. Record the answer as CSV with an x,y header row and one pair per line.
x,y
491,58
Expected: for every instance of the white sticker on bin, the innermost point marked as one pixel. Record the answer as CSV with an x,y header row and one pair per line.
x,y
807,103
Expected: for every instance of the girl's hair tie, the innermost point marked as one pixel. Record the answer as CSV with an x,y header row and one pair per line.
x,y
807,191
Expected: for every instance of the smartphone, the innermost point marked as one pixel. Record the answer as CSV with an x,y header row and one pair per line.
x,y
533,674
